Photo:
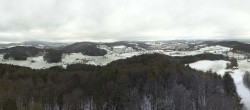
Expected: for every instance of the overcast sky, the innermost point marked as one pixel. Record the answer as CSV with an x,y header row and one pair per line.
x,y
111,20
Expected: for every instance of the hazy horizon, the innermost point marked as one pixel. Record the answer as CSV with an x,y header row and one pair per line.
x,y
69,42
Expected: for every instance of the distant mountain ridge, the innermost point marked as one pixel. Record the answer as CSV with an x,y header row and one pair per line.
x,y
37,44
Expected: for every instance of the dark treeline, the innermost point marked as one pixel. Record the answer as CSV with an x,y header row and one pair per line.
x,y
52,55
246,80
237,46
224,43
20,52
86,48
145,82
206,56
242,47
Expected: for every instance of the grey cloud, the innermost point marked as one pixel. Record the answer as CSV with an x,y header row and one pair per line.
x,y
100,20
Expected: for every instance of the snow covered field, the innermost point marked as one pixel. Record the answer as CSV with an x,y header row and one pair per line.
x,y
237,75
73,58
206,65
32,62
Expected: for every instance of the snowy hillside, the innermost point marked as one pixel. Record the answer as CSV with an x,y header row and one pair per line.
x,y
113,53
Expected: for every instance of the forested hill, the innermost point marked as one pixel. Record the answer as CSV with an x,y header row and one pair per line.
x,y
152,82
156,59
52,55
206,56
20,52
86,48
236,45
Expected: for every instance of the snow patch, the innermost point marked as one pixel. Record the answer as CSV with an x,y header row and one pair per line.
x,y
217,66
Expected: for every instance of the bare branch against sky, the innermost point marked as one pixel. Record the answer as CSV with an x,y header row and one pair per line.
x,y
110,20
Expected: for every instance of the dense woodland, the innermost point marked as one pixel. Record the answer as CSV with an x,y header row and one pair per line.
x,y
242,47
20,52
206,56
237,46
145,82
246,80
53,56
86,48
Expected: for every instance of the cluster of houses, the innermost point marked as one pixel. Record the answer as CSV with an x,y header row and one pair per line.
x,y
168,46
117,49
122,49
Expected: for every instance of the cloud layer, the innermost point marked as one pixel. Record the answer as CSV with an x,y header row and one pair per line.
x,y
110,20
